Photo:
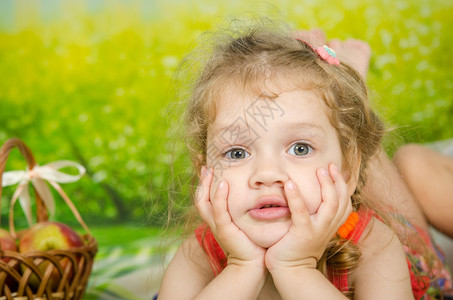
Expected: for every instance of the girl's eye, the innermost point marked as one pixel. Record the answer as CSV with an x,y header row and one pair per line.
x,y
300,149
237,154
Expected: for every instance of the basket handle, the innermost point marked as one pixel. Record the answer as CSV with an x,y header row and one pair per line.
x,y
41,209
9,145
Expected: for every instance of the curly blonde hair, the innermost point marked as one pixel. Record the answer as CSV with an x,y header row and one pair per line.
x,y
249,59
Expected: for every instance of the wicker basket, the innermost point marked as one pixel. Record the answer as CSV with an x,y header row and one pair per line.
x,y
22,277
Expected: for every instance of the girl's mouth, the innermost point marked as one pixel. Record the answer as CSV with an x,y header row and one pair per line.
x,y
270,205
269,212
270,208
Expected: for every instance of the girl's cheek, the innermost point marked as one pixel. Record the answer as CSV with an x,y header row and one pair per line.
x,y
310,192
222,173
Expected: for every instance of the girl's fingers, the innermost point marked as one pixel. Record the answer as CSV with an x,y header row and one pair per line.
x,y
299,213
338,180
220,205
330,203
345,204
202,202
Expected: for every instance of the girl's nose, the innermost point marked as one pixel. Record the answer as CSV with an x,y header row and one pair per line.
x,y
269,172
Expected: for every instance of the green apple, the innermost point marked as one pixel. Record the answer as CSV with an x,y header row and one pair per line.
x,y
46,236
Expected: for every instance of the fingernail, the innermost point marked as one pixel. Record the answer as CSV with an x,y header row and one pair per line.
x,y
290,185
335,168
324,172
221,185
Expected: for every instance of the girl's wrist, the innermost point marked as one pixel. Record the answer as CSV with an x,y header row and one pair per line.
x,y
290,270
304,282
250,272
308,263
256,263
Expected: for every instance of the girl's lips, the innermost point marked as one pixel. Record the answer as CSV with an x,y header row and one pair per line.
x,y
269,208
269,213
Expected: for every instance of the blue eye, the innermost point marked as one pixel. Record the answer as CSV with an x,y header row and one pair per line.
x,y
300,149
237,153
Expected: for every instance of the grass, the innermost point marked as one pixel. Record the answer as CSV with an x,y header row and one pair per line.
x,y
123,234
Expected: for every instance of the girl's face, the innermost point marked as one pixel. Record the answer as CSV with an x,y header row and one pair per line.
x,y
257,144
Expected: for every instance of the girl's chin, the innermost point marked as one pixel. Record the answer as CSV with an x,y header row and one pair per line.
x,y
267,244
266,235
267,240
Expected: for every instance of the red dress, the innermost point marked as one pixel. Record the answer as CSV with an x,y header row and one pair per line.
x,y
420,281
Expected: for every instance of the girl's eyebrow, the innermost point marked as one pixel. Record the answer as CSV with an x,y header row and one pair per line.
x,y
237,126
235,133
305,126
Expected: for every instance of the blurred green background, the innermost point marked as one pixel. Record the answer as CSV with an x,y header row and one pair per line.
x,y
90,81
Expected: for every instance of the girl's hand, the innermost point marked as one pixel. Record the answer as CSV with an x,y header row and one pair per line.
x,y
308,236
239,249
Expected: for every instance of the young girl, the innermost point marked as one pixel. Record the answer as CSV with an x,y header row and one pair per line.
x,y
281,134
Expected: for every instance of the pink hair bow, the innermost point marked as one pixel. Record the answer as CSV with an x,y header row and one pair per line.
x,y
328,55
324,52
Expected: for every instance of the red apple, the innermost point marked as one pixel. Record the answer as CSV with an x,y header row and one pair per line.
x,y
6,241
46,236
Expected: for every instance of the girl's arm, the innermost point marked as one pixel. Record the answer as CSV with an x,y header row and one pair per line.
x,y
188,272
383,271
305,283
235,282
189,276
